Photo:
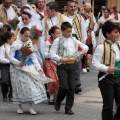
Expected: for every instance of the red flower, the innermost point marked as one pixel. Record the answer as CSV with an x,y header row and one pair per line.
x,y
79,48
27,51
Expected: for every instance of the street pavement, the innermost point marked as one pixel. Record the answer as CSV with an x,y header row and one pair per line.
x,y
87,106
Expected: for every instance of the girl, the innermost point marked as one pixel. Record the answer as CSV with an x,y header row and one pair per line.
x,y
8,39
27,78
50,66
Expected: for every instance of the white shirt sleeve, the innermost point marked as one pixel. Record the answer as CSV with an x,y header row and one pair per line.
x,y
95,24
1,25
46,53
83,30
35,61
97,59
2,56
54,50
11,57
82,45
93,39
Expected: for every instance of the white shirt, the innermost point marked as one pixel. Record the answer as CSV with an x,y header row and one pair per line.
x,y
95,23
93,39
46,53
52,22
69,44
11,13
112,17
1,25
4,49
98,54
83,28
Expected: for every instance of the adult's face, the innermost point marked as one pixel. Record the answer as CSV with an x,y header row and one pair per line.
x,y
71,7
111,10
50,12
26,19
7,3
41,3
106,13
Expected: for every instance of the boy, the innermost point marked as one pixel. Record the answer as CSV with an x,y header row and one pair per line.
x,y
7,39
106,59
63,51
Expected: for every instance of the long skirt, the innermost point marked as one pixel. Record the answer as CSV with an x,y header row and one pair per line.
x,y
26,89
50,70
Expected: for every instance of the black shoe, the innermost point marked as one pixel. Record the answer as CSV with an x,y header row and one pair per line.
x,y
4,99
69,112
88,69
78,89
57,105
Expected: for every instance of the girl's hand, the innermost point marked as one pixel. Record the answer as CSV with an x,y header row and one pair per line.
x,y
40,70
21,64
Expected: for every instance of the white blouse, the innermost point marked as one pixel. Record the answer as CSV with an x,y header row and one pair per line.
x,y
69,44
98,54
46,53
4,49
17,46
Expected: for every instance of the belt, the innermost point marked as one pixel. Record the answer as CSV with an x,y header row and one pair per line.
x,y
4,64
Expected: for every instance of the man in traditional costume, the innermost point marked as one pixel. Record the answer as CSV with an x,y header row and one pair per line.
x,y
41,8
7,11
91,27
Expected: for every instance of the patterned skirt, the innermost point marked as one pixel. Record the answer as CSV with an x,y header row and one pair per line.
x,y
26,89
50,70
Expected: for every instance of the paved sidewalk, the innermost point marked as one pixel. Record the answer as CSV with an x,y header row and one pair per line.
x,y
87,105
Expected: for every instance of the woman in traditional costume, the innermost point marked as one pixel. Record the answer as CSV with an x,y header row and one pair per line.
x,y
27,77
30,20
106,16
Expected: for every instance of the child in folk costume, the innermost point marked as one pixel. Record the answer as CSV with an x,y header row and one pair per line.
x,y
91,43
106,59
50,66
7,39
27,76
66,50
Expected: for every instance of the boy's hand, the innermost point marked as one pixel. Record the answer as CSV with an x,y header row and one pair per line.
x,y
21,64
63,60
85,52
111,69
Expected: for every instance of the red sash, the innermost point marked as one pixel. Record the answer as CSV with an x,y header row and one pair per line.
x,y
51,40
89,38
116,15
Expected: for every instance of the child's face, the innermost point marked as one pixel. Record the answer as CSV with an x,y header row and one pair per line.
x,y
67,33
26,36
56,34
10,41
113,36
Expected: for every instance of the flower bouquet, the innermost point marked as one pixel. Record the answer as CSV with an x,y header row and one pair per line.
x,y
36,33
25,52
13,23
